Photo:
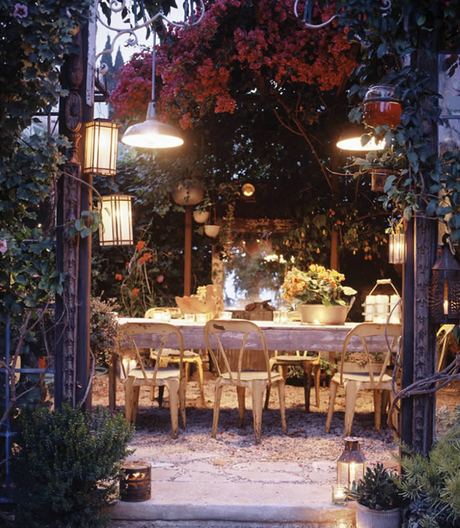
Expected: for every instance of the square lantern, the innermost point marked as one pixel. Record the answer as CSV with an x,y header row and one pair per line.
x,y
445,289
117,224
351,464
101,147
397,248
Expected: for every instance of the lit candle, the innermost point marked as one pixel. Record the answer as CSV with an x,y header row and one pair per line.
x,y
352,473
338,494
446,307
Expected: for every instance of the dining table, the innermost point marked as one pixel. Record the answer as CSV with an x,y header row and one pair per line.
x,y
289,336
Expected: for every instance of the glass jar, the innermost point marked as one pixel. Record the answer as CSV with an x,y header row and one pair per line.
x,y
381,106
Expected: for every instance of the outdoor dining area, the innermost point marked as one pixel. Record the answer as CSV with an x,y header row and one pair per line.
x,y
229,273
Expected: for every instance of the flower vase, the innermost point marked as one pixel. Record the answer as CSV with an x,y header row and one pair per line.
x,y
324,315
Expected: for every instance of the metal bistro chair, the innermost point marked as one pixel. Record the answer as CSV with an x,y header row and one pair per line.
x,y
173,356
156,376
353,382
256,381
310,365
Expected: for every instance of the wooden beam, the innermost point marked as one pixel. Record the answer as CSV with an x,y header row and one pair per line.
x,y
188,251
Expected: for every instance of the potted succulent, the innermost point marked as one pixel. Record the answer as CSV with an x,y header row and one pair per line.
x,y
378,499
321,297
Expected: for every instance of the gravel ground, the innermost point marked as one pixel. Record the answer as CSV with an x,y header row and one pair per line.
x,y
306,441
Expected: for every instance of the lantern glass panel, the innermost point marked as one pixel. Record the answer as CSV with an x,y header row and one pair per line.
x,y
101,147
397,248
351,464
117,228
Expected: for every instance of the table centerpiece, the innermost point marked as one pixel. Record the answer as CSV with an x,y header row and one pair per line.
x,y
318,294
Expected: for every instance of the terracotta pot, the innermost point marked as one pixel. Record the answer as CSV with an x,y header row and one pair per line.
x,y
188,193
367,518
212,230
201,216
320,314
379,177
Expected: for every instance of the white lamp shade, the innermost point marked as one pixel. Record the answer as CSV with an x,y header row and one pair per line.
x,y
101,147
354,144
117,224
152,133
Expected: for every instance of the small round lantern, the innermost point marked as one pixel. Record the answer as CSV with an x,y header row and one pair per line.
x,y
135,485
351,464
381,106
445,288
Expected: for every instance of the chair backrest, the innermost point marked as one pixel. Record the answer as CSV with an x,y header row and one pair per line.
x,y
239,330
163,331
365,330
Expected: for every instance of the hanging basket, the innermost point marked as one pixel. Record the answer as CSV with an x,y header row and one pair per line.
x,y
212,230
201,216
188,193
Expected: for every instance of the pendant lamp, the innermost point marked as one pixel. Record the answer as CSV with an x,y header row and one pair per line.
x,y
152,133
350,140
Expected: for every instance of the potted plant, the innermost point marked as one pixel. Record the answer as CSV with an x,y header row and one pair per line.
x,y
321,297
382,165
378,499
202,211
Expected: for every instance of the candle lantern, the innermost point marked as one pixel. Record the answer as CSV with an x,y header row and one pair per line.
x,y
351,464
445,289
378,308
397,248
117,224
101,147
381,106
135,484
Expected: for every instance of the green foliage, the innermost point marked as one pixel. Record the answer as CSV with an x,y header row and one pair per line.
x,y
66,464
432,484
377,489
385,46
104,330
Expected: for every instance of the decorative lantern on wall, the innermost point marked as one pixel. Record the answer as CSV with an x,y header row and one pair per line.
x,y
396,248
117,222
381,106
351,464
101,147
445,288
135,484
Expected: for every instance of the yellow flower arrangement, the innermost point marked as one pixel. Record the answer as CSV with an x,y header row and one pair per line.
x,y
316,285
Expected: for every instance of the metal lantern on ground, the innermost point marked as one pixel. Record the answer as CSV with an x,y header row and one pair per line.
x,y
445,289
397,248
101,147
117,223
135,484
351,464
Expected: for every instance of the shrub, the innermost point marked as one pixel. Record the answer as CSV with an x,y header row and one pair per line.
x,y
104,330
66,465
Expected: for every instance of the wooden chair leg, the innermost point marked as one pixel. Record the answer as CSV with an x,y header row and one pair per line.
x,y
215,417
173,389
199,365
161,392
307,369
317,374
330,412
241,392
129,385
257,390
267,397
378,408
351,390
281,395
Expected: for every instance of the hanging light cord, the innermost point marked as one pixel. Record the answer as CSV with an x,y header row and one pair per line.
x,y
154,64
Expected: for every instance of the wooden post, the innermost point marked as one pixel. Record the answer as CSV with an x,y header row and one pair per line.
x,y
188,251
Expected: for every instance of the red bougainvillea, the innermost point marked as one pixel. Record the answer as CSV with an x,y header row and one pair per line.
x,y
234,51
